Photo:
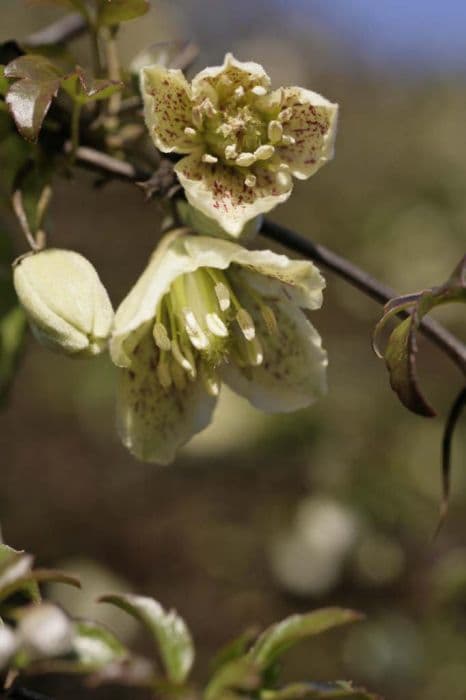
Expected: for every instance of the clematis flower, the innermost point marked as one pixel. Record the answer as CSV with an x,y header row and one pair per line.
x,y
206,310
243,141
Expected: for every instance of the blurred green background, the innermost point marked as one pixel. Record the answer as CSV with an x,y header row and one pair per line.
x,y
261,517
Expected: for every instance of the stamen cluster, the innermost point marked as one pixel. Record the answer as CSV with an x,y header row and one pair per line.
x,y
204,320
242,127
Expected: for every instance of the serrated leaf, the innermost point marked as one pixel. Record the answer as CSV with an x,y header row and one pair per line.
x,y
29,99
401,349
168,630
112,12
340,690
281,636
84,89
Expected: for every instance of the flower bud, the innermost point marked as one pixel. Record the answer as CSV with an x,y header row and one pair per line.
x,y
68,308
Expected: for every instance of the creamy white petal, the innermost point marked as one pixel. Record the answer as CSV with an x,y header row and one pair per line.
x,y
293,372
312,126
153,422
167,108
220,192
269,273
167,262
241,74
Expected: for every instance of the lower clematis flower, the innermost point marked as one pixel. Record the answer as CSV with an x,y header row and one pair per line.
x,y
243,142
207,310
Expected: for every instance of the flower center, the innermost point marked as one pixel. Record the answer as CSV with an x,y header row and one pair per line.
x,y
240,127
204,320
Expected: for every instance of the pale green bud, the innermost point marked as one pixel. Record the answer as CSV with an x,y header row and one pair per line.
x,y
68,308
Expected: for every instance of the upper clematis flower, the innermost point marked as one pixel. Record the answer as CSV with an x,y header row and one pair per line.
x,y
205,310
245,142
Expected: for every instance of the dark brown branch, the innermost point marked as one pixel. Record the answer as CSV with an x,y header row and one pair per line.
x,y
367,284
18,693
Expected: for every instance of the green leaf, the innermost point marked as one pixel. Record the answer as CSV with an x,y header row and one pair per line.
x,y
84,89
400,353
234,649
319,691
12,333
4,84
281,636
27,582
30,97
15,572
95,646
112,12
168,630
238,675
14,154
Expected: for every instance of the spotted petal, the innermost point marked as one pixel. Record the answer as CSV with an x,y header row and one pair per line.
x,y
312,125
293,372
138,309
167,108
153,422
228,77
220,193
269,273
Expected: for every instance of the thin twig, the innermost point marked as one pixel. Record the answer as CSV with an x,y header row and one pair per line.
x,y
450,425
367,284
19,693
109,166
65,29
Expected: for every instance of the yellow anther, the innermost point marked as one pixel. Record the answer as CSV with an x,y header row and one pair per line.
x,y
246,324
215,325
163,372
230,152
208,158
288,140
223,296
274,131
245,159
270,319
250,180
259,90
161,337
264,152
285,115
